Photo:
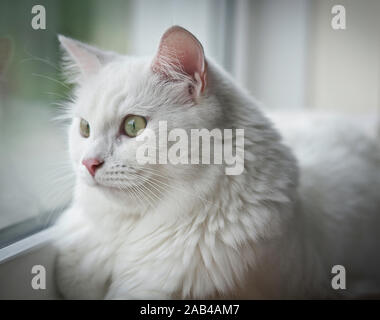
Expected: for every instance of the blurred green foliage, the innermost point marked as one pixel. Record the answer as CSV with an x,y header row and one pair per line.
x,y
34,73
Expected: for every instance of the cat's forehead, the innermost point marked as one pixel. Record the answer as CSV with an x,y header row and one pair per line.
x,y
117,90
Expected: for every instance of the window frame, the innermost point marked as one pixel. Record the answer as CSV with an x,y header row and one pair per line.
x,y
17,260
19,231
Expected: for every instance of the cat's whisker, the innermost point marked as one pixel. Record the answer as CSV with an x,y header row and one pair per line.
x,y
58,182
57,95
60,165
163,184
146,180
62,172
186,192
63,112
135,195
56,187
143,189
152,170
156,193
54,179
60,105
121,188
149,198
146,192
51,79
131,190
57,197
34,58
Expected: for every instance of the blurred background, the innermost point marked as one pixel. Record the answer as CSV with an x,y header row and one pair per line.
x,y
285,52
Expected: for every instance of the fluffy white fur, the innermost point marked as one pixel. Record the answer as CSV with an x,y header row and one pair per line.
x,y
166,231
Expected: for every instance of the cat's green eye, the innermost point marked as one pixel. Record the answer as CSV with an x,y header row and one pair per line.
x,y
133,125
84,128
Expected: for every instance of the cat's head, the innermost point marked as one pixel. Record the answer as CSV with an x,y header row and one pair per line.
x,y
120,100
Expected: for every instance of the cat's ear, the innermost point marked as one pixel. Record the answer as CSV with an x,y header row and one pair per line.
x,y
5,53
180,49
87,59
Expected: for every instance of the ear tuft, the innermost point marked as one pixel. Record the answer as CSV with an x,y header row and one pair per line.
x,y
82,57
182,50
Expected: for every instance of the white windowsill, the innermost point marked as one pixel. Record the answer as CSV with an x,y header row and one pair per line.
x,y
25,245
17,261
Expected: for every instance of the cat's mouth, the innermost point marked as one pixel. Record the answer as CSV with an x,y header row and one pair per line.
x,y
120,177
121,183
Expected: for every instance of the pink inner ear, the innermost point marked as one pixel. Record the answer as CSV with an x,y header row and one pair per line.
x,y
180,46
87,61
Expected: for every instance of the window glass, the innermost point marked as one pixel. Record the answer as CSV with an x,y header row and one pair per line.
x,y
36,177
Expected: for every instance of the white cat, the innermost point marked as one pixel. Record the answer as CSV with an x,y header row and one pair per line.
x,y
189,231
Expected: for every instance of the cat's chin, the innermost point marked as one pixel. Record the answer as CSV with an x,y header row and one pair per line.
x,y
103,197
127,190
109,186
114,188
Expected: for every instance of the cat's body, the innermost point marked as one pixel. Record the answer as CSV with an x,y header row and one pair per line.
x,y
267,233
339,197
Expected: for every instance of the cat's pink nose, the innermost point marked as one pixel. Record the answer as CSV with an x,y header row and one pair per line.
x,y
92,165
